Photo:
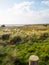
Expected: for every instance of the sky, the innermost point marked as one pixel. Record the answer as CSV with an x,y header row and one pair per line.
x,y
24,11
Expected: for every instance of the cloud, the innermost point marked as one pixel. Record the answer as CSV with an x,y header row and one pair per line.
x,y
44,15
45,2
20,8
21,13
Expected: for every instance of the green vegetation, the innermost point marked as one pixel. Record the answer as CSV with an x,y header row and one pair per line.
x,y
18,43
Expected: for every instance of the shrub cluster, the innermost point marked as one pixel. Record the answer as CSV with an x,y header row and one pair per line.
x,y
5,36
16,40
44,36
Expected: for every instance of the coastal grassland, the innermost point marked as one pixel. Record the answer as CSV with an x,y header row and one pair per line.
x,y
18,43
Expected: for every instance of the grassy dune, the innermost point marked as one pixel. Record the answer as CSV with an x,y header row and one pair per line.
x,y
18,43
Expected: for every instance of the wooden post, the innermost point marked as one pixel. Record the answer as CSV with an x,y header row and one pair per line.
x,y
33,60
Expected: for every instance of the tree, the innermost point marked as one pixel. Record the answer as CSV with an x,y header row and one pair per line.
x,y
2,25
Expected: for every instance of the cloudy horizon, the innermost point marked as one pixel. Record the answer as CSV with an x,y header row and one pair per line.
x,y
24,12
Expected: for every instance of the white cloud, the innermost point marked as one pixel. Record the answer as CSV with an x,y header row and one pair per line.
x,y
44,15
22,13
45,2
21,8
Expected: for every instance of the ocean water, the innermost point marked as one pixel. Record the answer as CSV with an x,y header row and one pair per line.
x,y
13,24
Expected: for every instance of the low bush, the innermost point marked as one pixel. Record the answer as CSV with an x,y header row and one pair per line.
x,y
16,39
5,36
2,25
19,62
44,36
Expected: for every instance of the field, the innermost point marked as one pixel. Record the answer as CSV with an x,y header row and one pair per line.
x,y
17,43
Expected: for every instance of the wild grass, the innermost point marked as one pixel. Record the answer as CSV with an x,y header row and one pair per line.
x,y
18,43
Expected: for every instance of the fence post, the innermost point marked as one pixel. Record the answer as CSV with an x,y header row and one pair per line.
x,y
33,60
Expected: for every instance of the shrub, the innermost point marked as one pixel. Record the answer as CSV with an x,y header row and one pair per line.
x,y
45,25
19,62
5,36
2,25
16,39
46,58
44,36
